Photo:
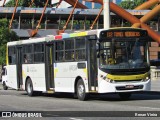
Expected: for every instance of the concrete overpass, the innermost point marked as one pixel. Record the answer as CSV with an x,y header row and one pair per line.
x,y
27,18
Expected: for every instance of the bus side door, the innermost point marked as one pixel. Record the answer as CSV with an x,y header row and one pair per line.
x,y
49,67
92,64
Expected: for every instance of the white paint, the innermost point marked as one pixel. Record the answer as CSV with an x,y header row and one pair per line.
x,y
106,14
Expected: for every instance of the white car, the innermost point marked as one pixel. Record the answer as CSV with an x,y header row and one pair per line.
x,y
4,78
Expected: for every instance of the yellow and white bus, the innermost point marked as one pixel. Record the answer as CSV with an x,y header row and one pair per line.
x,y
98,61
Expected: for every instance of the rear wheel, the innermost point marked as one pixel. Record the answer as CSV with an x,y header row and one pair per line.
x,y
4,86
81,94
125,96
29,88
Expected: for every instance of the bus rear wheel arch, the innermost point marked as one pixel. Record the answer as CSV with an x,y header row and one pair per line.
x,y
81,90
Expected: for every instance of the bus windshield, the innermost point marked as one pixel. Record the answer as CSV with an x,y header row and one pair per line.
x,y
123,55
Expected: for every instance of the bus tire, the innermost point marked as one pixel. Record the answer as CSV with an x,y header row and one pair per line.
x,y
81,94
5,86
29,88
125,96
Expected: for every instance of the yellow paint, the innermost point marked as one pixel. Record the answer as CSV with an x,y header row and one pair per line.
x,y
23,74
7,55
85,71
127,77
73,35
55,72
78,34
50,91
93,91
51,56
82,34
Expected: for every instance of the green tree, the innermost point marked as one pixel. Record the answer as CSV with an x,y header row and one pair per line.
x,y
26,3
5,36
131,4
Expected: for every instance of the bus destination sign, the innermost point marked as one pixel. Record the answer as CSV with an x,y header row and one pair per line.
x,y
122,34
109,34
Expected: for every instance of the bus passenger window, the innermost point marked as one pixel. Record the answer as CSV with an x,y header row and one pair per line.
x,y
25,59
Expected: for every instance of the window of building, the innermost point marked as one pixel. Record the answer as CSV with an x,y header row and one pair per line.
x,y
97,5
88,4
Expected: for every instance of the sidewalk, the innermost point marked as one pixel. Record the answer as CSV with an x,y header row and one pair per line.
x,y
155,79
155,85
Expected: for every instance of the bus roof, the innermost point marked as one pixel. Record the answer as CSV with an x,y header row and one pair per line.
x,y
64,35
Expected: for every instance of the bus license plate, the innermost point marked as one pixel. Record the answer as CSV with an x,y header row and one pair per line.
x,y
129,86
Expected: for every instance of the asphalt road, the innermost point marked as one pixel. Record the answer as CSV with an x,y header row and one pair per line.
x,y
104,105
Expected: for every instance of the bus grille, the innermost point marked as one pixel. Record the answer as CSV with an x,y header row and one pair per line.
x,y
127,80
125,88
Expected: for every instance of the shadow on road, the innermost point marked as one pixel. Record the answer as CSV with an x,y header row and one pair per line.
x,y
150,95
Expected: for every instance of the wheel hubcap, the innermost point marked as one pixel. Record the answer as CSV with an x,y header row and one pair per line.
x,y
81,90
29,88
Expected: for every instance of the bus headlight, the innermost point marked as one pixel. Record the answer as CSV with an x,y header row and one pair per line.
x,y
145,79
107,79
110,80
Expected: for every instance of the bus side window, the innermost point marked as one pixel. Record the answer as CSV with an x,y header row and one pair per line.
x,y
25,59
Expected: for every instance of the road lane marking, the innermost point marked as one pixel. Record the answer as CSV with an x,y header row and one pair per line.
x,y
150,108
75,119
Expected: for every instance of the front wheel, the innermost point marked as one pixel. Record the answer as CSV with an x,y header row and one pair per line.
x,y
125,96
5,86
81,94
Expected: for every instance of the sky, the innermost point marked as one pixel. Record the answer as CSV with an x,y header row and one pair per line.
x,y
1,2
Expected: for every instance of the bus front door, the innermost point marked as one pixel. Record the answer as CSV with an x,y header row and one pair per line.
x,y
92,65
49,70
19,67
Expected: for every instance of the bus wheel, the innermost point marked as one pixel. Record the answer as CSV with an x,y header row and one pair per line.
x,y
29,88
81,94
4,86
125,96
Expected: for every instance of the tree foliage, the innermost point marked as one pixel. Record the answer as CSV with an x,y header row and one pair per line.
x,y
26,3
131,4
5,36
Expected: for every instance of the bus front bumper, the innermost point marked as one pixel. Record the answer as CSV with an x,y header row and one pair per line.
x,y
106,87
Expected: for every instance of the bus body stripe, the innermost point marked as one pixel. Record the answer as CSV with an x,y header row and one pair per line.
x,y
128,77
55,72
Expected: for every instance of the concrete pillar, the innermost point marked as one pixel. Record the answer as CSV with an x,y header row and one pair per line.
x,y
106,14
19,22
85,22
33,22
46,23
72,22
59,23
